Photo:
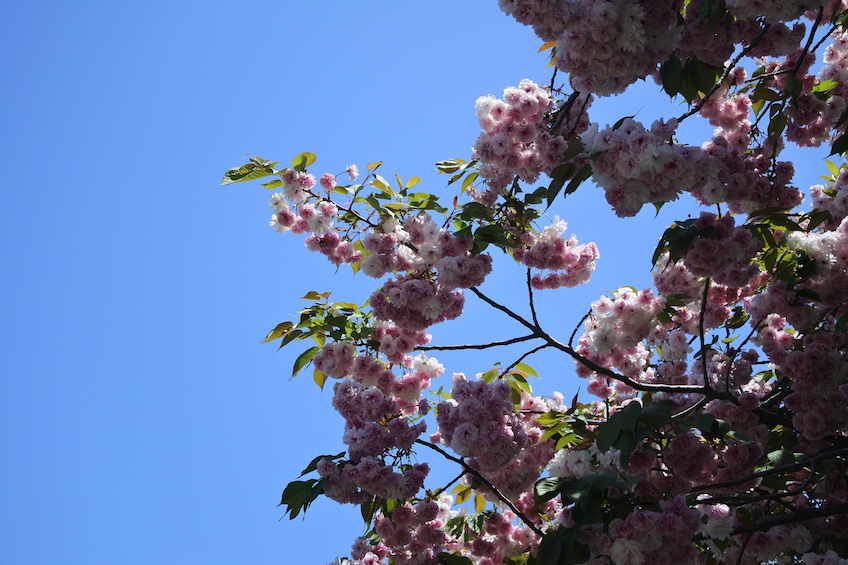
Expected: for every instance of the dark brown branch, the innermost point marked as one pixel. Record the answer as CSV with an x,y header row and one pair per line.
x,y
577,327
697,107
778,496
781,469
507,311
742,549
473,346
563,111
538,332
645,387
526,355
532,304
800,515
809,44
701,330
485,482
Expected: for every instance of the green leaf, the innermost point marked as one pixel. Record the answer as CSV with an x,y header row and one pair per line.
x,y
566,440
744,517
493,233
841,323
581,175
623,420
656,414
840,145
489,376
467,181
368,508
303,160
547,488
831,166
463,493
271,185
671,74
793,86
738,319
449,165
381,184
764,93
319,378
559,176
279,331
824,86
246,173
550,549
479,503
452,559
776,126
536,196
575,148
524,368
298,495
303,359
781,457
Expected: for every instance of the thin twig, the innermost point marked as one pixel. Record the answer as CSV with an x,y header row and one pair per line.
x,y
526,355
505,310
701,329
577,327
742,549
809,44
530,293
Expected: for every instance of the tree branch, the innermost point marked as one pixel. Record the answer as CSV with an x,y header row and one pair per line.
x,y
697,107
485,482
781,469
530,295
790,518
701,330
473,346
505,310
538,332
526,355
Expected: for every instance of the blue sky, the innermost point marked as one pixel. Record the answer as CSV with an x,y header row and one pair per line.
x,y
141,421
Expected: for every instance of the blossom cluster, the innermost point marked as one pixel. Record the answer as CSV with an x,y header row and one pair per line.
x,y
832,197
577,463
517,140
636,166
572,263
725,255
294,213
478,422
623,321
604,45
372,427
774,11
411,535
647,536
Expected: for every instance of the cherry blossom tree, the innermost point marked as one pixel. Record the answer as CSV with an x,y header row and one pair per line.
x,y
719,429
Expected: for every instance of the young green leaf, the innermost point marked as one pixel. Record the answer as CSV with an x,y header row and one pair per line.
x,y
303,359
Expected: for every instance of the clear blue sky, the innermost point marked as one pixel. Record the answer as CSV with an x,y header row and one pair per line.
x,y
140,419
